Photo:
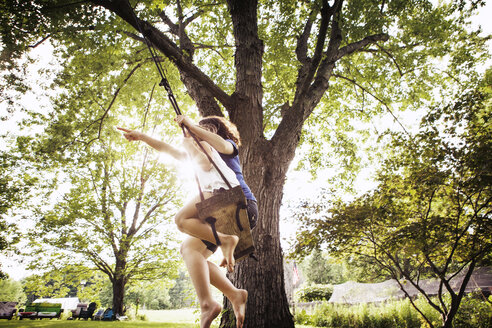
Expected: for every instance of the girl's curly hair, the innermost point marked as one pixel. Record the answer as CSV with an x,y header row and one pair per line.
x,y
222,127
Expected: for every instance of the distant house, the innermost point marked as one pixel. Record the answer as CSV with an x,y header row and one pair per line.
x,y
67,304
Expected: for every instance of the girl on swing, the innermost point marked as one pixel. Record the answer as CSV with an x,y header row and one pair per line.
x,y
219,138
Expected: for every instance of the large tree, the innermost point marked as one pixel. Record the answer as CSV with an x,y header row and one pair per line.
x,y
270,66
430,216
116,217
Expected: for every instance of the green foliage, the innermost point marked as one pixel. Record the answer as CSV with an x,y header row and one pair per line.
x,y
142,317
315,293
98,54
152,295
302,317
320,268
430,215
474,313
116,211
16,182
11,291
182,293
114,216
319,271
69,281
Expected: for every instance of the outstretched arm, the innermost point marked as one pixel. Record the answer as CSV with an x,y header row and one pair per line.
x,y
132,135
213,139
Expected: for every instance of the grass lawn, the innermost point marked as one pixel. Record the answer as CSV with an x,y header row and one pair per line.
x,y
182,318
187,315
46,323
97,324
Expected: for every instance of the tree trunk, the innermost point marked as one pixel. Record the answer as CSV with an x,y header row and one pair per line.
x,y
456,299
119,283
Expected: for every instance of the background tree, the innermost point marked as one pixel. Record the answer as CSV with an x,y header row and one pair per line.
x,y
431,215
11,291
182,293
284,72
153,295
15,185
116,216
321,268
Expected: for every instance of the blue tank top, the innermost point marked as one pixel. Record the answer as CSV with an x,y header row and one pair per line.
x,y
232,160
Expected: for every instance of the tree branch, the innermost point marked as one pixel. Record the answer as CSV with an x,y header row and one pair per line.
x,y
382,7
307,96
393,274
326,13
302,42
407,276
106,111
377,98
357,46
153,208
392,58
40,41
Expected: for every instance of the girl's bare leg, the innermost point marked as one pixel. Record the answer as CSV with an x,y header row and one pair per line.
x,y
238,297
197,267
188,222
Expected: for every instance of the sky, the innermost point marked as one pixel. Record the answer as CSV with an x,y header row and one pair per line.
x,y
297,183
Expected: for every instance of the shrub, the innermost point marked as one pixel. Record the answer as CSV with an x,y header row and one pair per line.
x,y
474,312
315,293
301,317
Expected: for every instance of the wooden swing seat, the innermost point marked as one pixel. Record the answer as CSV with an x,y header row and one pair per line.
x,y
229,209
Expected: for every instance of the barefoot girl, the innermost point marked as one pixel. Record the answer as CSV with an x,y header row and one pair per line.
x,y
223,136
194,250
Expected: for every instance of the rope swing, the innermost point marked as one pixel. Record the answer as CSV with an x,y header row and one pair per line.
x,y
226,210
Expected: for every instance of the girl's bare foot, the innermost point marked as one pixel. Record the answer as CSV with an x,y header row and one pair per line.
x,y
239,306
209,313
228,246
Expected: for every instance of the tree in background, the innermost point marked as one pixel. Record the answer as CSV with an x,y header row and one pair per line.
x,y
431,215
182,293
285,72
11,291
15,185
153,295
116,217
320,268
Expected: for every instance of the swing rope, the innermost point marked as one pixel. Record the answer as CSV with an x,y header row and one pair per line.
x,y
164,82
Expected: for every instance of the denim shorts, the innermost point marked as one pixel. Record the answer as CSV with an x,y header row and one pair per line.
x,y
252,208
